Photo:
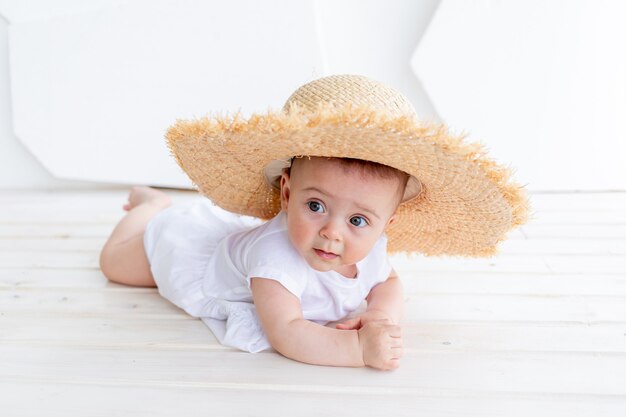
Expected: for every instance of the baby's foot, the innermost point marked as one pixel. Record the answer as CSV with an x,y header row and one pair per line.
x,y
146,195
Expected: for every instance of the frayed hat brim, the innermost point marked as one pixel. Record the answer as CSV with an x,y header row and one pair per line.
x,y
467,205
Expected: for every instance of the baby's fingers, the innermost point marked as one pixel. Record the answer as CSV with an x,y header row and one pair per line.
x,y
394,331
396,347
350,324
393,364
397,352
392,361
392,354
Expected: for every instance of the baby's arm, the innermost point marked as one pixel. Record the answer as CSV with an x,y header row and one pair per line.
x,y
302,340
384,302
387,298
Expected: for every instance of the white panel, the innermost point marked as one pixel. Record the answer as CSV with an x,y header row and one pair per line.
x,y
24,10
94,92
543,84
376,38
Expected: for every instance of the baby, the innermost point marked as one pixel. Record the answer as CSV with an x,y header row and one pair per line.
x,y
334,214
345,173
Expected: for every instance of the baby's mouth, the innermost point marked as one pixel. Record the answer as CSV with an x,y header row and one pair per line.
x,y
325,255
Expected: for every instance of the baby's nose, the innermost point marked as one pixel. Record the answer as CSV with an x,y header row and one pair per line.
x,y
331,231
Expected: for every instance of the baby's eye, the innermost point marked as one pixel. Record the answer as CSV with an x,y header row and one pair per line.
x,y
358,221
315,206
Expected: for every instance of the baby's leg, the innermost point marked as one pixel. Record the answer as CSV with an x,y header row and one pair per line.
x,y
123,257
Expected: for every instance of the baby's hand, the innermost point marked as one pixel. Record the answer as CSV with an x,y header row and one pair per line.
x,y
381,344
356,323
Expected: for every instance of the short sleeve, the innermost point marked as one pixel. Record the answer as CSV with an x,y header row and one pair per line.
x,y
273,257
270,272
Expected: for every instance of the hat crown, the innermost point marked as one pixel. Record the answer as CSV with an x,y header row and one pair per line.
x,y
355,90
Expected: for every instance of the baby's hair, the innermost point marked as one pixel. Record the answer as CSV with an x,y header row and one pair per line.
x,y
374,169
371,169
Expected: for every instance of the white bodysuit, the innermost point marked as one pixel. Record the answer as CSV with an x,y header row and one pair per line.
x,y
202,259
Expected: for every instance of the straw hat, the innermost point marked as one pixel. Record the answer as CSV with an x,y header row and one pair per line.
x,y
459,202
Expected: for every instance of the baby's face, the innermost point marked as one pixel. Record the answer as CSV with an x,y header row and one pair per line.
x,y
334,215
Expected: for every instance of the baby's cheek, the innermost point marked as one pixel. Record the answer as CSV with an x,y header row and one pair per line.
x,y
362,246
297,234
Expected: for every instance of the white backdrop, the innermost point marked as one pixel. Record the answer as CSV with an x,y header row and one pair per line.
x,y
87,89
543,83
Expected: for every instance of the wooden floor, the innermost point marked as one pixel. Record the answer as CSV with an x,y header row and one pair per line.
x,y
538,331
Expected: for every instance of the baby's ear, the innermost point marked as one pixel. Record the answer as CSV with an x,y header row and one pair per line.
x,y
391,220
284,191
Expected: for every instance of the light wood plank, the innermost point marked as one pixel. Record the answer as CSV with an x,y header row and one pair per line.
x,y
15,278
600,201
515,264
615,215
563,247
147,303
88,208
106,400
35,245
78,198
452,307
55,230
49,260
414,283
128,333
500,372
136,302
515,336
513,283
139,334
578,231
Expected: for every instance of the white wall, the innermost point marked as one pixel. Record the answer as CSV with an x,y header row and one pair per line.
x,y
18,167
377,38
93,90
542,83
